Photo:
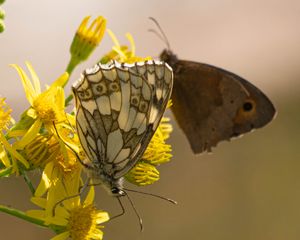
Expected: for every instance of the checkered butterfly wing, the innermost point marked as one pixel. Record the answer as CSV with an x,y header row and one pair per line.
x,y
119,107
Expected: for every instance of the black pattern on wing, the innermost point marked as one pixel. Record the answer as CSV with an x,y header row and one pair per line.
x,y
118,110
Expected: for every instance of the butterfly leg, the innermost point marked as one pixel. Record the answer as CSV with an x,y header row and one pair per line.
x,y
81,191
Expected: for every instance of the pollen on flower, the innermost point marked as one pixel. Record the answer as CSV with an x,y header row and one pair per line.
x,y
5,117
67,163
83,223
45,112
143,174
158,151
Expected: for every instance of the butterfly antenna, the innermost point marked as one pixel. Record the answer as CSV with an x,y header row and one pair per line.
x,y
163,36
153,195
136,212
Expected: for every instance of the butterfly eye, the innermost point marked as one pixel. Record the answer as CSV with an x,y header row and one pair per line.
x,y
113,87
143,106
135,101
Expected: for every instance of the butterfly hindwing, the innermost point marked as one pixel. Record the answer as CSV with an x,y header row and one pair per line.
x,y
118,111
211,104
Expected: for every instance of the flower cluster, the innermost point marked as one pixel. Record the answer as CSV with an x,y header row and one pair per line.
x,y
45,139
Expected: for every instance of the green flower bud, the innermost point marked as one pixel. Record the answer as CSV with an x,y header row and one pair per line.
x,y
2,13
2,26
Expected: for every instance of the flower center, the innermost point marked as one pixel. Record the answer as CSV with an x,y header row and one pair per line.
x,y
82,222
45,111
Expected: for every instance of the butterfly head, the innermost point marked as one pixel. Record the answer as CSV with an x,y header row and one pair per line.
x,y
117,192
169,57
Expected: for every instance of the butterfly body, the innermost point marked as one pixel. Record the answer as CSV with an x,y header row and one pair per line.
x,y
211,104
118,108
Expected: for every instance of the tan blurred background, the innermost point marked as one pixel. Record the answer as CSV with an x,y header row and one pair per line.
x,y
248,189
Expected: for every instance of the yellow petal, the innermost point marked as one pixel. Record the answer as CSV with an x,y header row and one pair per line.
x,y
57,221
46,180
35,79
97,234
102,217
9,148
38,214
61,81
113,37
90,197
3,157
28,88
61,236
132,44
40,202
30,135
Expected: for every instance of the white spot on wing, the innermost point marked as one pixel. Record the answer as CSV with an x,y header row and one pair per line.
x,y
168,74
122,118
110,74
130,119
138,120
115,101
151,78
124,153
137,81
104,105
123,75
95,78
142,127
114,144
159,70
90,105
146,91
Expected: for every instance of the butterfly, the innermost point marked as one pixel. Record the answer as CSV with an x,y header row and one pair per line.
x,y
118,109
211,104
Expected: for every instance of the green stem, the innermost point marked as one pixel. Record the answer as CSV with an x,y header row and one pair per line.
x,y
25,217
28,182
68,99
5,172
72,64
22,215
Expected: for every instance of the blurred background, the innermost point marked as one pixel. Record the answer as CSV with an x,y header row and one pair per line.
x,y
247,189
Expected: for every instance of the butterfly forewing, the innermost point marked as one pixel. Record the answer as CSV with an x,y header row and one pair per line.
x,y
119,107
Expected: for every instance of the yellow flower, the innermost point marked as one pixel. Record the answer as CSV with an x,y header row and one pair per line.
x,y
157,152
47,107
122,53
64,167
78,221
86,40
142,174
5,146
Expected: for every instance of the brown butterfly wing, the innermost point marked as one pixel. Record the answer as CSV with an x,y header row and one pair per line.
x,y
212,104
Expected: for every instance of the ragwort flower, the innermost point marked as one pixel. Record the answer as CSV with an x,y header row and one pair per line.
x,y
47,108
78,221
5,146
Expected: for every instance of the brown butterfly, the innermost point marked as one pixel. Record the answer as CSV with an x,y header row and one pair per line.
x,y
211,104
